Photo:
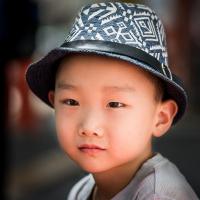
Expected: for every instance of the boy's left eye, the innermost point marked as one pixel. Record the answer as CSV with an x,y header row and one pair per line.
x,y
116,105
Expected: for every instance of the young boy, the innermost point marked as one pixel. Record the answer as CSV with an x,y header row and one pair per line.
x,y
112,92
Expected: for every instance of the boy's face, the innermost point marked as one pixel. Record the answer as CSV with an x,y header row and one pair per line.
x,y
105,112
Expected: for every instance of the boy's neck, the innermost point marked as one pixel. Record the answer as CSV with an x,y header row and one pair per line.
x,y
111,182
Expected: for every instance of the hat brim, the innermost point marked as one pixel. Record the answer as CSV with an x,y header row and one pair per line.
x,y
40,76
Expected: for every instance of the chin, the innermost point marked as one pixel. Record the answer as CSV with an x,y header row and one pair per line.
x,y
92,167
90,164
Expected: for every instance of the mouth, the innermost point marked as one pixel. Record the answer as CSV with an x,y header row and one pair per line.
x,y
91,148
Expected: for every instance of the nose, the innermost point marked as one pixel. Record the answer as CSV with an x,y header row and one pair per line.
x,y
91,126
89,133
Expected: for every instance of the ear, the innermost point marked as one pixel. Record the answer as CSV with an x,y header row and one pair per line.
x,y
51,96
166,113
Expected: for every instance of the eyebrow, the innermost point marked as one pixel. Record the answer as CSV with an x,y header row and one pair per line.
x,y
119,88
67,86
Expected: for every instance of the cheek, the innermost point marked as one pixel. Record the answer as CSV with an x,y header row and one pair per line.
x,y
65,131
135,121
131,132
128,144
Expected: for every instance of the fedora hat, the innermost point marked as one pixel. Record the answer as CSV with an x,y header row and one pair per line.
x,y
126,31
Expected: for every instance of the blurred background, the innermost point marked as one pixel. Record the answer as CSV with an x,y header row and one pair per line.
x,y
33,165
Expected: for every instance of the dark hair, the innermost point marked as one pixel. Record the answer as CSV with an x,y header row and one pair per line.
x,y
160,93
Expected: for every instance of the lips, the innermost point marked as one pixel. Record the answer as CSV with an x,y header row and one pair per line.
x,y
91,148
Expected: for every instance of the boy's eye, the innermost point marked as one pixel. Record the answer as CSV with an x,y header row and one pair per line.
x,y
115,104
71,102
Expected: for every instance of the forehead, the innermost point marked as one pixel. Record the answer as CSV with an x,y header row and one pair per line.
x,y
95,70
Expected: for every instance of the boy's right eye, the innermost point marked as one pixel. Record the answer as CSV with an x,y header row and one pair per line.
x,y
70,102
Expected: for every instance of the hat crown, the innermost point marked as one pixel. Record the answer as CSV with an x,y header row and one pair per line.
x,y
131,24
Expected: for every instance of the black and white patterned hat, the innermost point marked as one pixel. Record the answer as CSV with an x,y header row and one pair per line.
x,y
126,31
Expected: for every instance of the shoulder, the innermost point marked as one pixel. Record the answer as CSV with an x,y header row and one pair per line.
x,y
165,182
82,189
171,182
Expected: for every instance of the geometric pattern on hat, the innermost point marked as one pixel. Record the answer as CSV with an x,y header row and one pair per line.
x,y
132,24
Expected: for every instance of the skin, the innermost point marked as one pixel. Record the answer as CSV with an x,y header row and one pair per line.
x,y
111,104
